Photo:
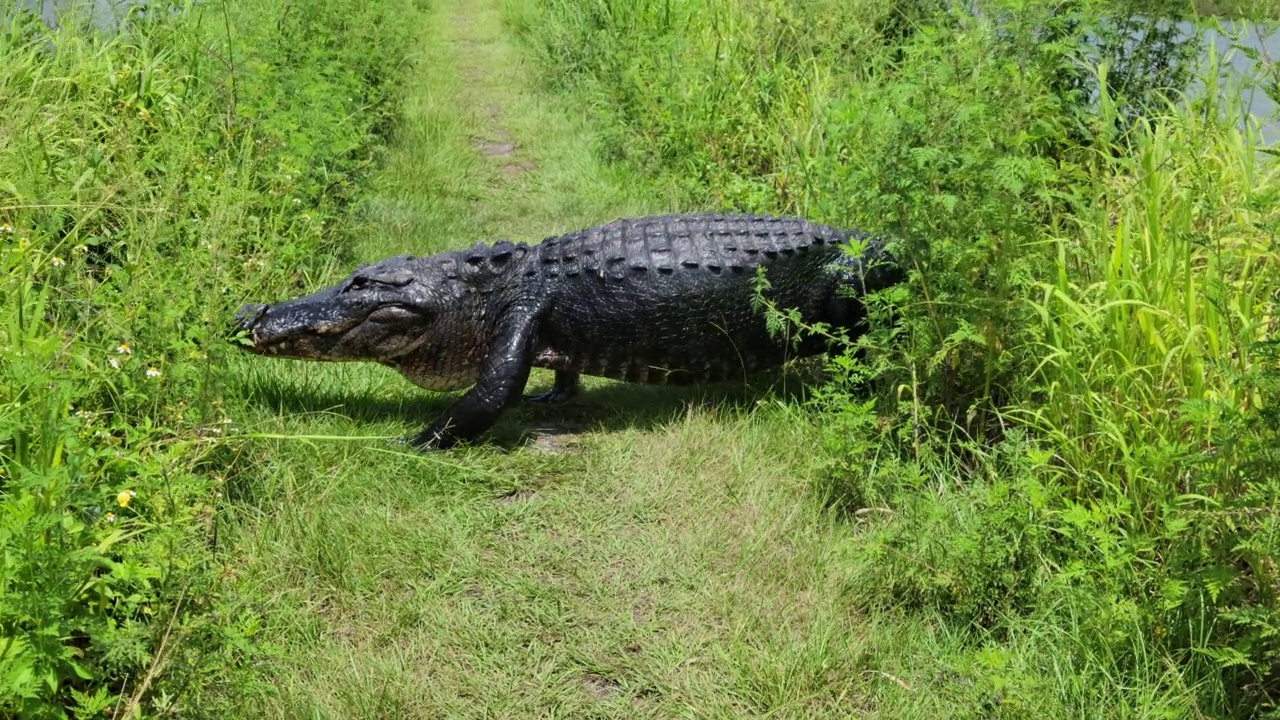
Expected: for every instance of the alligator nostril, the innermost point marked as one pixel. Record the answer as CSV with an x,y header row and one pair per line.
x,y
249,314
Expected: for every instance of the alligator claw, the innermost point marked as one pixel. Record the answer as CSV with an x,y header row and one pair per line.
x,y
431,439
420,442
552,396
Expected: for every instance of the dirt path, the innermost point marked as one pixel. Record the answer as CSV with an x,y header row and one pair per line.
x,y
475,51
639,552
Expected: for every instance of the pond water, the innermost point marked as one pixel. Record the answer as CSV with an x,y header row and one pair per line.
x,y
104,13
1267,45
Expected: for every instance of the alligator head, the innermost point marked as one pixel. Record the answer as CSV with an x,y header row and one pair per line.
x,y
379,313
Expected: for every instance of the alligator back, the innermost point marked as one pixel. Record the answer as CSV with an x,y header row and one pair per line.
x,y
669,299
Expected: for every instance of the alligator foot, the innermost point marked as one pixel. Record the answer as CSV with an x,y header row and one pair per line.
x,y
428,440
565,387
409,442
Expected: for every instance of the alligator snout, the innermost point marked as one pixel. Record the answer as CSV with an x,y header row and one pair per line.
x,y
248,316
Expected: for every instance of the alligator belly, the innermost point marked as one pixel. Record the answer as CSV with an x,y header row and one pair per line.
x,y
703,360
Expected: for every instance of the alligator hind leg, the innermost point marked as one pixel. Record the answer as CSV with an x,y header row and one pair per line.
x,y
565,387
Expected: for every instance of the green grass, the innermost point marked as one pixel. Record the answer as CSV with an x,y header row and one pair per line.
x,y
148,178
1046,492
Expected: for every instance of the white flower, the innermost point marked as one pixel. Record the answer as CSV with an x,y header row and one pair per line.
x,y
153,373
123,349
297,201
6,228
57,261
115,364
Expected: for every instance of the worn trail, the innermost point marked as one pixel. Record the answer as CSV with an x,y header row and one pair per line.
x,y
636,552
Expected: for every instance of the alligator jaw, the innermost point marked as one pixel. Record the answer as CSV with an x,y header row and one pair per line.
x,y
299,330
248,332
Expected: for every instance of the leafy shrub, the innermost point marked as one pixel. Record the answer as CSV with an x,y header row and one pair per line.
x,y
149,179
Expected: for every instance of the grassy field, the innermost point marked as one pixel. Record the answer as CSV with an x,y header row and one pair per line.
x,y
1048,490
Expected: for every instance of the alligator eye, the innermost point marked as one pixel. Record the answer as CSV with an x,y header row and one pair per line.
x,y
358,282
397,278
392,313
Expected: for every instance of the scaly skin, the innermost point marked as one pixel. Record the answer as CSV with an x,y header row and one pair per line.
x,y
656,300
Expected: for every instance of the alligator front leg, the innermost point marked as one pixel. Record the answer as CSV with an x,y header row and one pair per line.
x,y
505,372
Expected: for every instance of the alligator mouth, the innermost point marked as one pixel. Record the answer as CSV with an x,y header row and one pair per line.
x,y
248,332
298,330
278,346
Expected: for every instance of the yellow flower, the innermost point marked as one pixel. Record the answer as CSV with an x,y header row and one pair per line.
x,y
124,497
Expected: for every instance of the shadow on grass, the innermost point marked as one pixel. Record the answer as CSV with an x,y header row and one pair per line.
x,y
610,407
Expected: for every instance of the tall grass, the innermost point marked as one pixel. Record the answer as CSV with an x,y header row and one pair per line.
x,y
1069,454
1156,382
148,178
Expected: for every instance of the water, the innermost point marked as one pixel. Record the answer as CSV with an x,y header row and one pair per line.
x,y
104,14
1267,46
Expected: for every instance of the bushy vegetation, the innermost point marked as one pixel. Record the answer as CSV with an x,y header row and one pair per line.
x,y
149,180
1069,453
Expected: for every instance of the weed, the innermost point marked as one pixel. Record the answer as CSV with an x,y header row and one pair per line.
x,y
150,178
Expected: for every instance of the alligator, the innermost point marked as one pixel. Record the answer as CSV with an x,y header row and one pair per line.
x,y
664,299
